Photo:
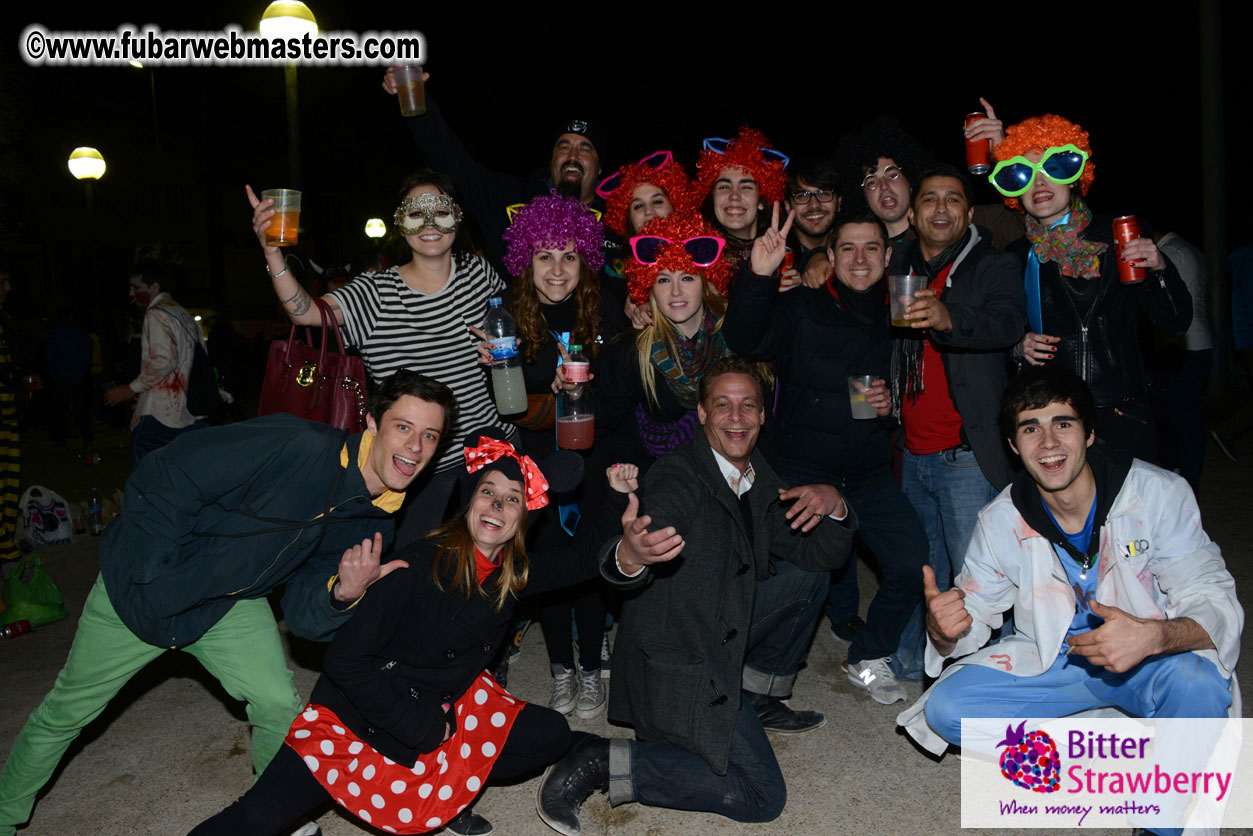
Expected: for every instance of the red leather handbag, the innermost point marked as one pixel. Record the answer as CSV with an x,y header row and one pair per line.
x,y
314,383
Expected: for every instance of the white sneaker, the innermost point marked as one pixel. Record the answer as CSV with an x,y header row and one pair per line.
x,y
876,677
591,695
565,690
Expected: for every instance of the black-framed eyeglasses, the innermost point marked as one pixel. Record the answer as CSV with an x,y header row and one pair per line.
x,y
823,195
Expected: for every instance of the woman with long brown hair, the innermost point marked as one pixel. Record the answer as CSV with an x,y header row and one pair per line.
x,y
554,253
405,727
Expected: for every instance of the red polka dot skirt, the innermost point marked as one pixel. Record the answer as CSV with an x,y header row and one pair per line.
x,y
397,798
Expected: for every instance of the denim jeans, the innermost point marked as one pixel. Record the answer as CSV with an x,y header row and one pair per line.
x,y
889,526
947,490
149,435
891,529
669,776
785,613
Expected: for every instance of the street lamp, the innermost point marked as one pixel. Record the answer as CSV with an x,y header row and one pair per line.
x,y
86,163
290,19
375,228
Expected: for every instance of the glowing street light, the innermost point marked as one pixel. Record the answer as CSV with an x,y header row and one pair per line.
x,y
288,19
375,228
86,164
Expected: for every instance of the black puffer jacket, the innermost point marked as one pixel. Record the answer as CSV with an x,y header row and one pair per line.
x,y
1096,319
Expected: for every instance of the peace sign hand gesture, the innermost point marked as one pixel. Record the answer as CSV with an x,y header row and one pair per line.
x,y
770,246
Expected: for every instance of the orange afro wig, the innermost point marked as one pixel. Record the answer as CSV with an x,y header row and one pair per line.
x,y
677,226
670,178
743,152
1039,133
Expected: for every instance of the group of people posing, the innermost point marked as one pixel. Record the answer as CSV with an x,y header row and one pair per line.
x,y
723,316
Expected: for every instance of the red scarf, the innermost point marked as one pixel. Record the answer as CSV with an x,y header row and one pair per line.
x,y
484,566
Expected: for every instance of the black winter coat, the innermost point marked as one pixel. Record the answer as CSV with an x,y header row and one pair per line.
x,y
413,647
683,636
815,346
1096,319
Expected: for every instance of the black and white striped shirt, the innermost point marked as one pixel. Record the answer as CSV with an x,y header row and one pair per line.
x,y
395,327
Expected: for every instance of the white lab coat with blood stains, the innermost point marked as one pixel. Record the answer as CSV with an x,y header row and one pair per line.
x,y
1156,561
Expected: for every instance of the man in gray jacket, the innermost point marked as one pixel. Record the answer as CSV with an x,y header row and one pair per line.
x,y
716,610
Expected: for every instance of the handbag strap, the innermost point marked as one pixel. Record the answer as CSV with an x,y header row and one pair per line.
x,y
328,321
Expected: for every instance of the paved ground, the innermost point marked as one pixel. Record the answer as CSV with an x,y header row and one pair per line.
x,y
173,748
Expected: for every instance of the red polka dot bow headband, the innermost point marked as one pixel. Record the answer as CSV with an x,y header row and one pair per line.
x,y
493,449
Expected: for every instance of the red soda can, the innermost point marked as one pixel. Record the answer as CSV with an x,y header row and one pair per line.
x,y
978,151
1126,230
14,629
789,259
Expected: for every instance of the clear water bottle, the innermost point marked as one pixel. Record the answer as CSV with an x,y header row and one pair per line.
x,y
576,424
507,381
95,516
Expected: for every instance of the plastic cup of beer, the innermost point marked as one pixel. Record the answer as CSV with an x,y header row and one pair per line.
x,y
902,289
858,385
284,226
410,91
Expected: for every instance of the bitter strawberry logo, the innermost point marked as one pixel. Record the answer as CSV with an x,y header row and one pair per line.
x,y
1030,759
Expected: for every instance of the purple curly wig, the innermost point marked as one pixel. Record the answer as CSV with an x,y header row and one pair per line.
x,y
551,221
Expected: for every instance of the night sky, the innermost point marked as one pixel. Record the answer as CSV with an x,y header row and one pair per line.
x,y
505,82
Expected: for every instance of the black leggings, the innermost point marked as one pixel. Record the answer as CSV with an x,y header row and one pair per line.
x,y
287,790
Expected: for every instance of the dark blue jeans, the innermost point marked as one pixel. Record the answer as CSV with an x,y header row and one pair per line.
x,y
889,526
785,613
149,434
665,775
947,490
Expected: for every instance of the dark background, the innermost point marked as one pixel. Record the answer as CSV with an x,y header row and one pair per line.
x,y
505,80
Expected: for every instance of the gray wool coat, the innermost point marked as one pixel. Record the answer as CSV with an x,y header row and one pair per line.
x,y
684,630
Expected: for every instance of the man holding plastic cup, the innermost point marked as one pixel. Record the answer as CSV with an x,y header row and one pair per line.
x,y
818,338
950,369
574,168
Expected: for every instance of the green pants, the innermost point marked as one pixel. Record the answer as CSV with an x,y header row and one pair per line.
x,y
242,650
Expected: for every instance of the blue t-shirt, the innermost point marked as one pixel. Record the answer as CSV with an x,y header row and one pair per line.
x,y
1084,587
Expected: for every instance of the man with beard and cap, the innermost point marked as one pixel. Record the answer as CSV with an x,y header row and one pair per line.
x,y
574,168
817,339
949,371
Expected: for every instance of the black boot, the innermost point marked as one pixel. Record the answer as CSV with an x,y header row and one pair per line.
x,y
568,782
469,823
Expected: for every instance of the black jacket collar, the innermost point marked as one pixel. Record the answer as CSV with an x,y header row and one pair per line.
x,y
1110,471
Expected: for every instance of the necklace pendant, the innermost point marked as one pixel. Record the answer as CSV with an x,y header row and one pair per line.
x,y
1083,576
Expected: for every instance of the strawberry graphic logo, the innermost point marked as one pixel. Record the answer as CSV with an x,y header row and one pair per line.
x,y
1030,759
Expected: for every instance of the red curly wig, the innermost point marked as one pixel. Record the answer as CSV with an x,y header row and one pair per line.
x,y
1039,133
670,178
677,226
743,152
